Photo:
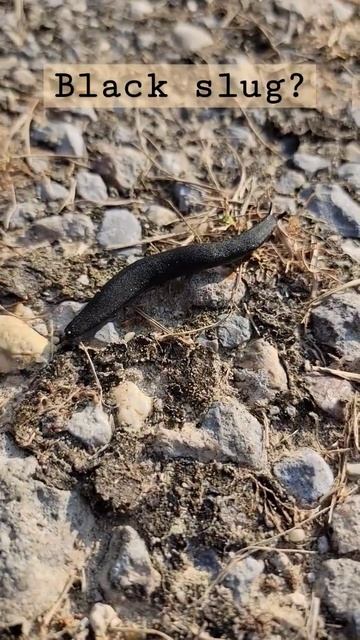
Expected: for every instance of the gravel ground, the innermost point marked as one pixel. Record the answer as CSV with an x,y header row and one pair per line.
x,y
191,471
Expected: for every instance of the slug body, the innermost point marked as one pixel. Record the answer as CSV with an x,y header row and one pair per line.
x,y
157,269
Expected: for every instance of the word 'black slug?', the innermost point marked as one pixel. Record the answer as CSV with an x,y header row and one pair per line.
x,y
161,267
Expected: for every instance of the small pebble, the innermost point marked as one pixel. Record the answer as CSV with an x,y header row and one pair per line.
x,y
297,536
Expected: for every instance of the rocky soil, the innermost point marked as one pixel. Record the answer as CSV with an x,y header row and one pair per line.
x,y
192,470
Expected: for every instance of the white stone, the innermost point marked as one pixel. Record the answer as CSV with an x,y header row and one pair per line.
x,y
133,405
20,345
191,37
91,426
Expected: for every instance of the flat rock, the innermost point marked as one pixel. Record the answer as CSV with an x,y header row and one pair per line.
x,y
176,163
140,9
242,578
332,204
92,426
38,550
127,567
50,190
64,138
119,227
120,166
228,433
352,152
108,334
310,10
333,395
214,289
91,186
353,470
338,586
69,227
350,172
63,313
161,216
233,331
258,372
335,323
289,182
310,163
345,525
103,619
305,475
133,405
192,37
20,345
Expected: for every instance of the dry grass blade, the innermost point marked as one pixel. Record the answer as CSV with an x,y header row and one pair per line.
x,y
12,209
98,384
346,375
341,287
313,618
249,550
47,618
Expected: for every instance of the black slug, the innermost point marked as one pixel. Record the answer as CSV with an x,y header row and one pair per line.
x,y
157,269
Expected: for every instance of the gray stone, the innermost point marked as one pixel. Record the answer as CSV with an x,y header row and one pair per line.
x,y
353,470
161,216
233,331
91,426
331,394
64,313
90,186
38,548
24,213
38,164
238,434
119,227
228,432
352,152
350,172
69,227
289,182
305,475
108,334
241,579
128,570
214,289
188,199
345,525
284,203
191,37
338,586
63,137
310,163
50,190
355,112
121,166
140,9
333,205
258,373
335,323
310,10
323,544
175,163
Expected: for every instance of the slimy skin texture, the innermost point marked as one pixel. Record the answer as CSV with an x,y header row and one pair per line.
x,y
161,267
